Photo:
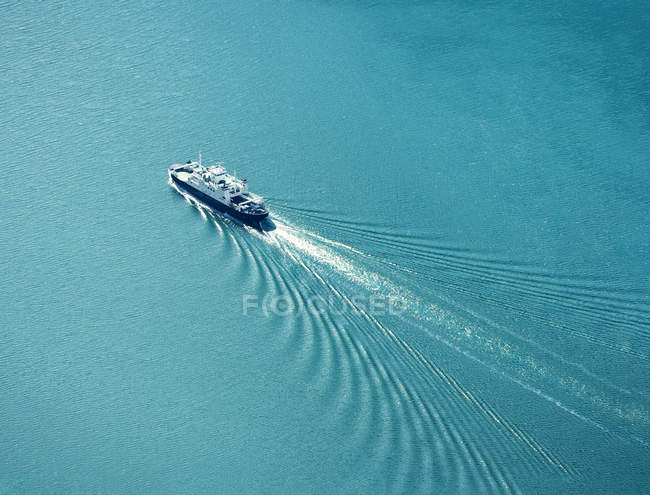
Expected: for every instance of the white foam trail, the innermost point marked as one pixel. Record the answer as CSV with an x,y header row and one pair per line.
x,y
431,313
285,234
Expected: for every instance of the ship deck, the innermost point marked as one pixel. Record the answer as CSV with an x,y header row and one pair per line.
x,y
182,175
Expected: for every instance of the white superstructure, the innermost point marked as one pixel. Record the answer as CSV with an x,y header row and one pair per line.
x,y
215,183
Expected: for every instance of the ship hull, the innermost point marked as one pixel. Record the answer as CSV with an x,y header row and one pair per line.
x,y
249,219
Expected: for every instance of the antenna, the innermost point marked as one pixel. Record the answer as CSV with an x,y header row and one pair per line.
x,y
200,158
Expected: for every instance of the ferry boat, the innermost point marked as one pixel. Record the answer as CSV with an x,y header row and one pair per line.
x,y
225,193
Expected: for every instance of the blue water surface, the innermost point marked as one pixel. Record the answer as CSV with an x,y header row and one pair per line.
x,y
483,165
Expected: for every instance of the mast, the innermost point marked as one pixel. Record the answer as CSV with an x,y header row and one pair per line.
x,y
200,158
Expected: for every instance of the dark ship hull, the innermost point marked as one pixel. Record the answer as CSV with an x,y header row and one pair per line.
x,y
252,219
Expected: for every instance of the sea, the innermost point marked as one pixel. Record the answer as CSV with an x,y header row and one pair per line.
x,y
454,296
